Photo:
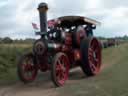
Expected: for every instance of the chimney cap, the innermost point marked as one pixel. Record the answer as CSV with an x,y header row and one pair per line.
x,y
43,5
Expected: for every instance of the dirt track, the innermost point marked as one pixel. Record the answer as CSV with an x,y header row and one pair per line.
x,y
43,86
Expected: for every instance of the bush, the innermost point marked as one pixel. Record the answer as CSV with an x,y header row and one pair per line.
x,y
9,55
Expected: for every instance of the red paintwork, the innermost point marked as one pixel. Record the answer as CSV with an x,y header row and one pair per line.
x,y
29,68
94,56
68,39
77,55
62,69
80,34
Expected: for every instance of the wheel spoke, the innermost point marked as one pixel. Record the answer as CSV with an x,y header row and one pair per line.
x,y
61,64
94,55
57,67
96,60
93,67
28,70
91,59
90,50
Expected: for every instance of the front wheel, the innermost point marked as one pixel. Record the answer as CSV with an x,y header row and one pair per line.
x,y
60,69
27,70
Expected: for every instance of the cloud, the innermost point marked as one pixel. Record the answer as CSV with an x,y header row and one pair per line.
x,y
16,16
15,21
115,23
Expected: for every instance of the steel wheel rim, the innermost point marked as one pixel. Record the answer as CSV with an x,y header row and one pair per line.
x,y
94,56
28,68
62,67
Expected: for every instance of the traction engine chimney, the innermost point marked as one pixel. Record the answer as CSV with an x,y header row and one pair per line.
x,y
42,8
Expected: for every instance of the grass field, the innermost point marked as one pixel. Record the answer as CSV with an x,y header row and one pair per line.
x,y
111,81
9,54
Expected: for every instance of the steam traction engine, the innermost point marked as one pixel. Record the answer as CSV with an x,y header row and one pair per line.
x,y
66,42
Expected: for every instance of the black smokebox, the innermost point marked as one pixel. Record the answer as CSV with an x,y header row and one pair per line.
x,y
43,7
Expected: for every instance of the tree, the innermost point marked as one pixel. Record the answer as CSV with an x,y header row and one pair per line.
x,y
7,40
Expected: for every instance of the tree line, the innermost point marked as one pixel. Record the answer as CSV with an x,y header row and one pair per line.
x,y
8,40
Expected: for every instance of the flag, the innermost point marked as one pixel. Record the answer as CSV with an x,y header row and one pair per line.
x,y
35,27
51,23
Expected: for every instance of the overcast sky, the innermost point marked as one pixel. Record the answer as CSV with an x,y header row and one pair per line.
x,y
16,16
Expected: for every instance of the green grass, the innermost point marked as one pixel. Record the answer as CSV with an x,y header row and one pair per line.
x,y
9,54
112,81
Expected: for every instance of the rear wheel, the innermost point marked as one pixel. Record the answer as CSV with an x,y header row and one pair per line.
x,y
90,56
27,70
60,69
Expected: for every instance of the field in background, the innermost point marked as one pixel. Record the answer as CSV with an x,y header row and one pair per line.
x,y
13,45
112,80
9,54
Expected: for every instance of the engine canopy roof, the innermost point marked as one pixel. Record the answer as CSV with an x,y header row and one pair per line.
x,y
69,21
